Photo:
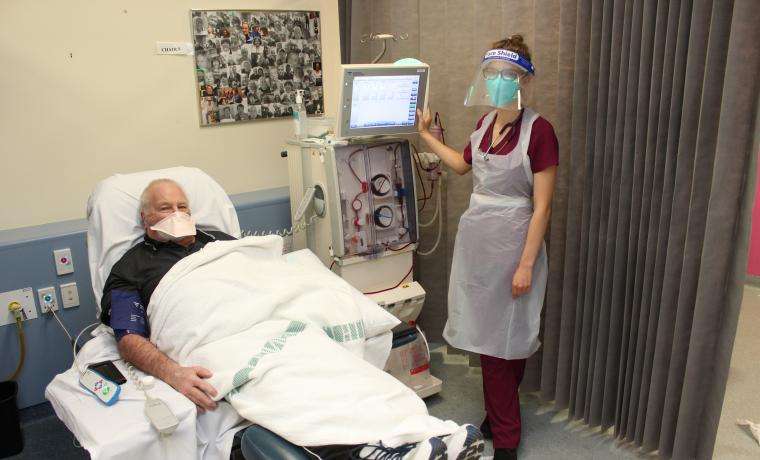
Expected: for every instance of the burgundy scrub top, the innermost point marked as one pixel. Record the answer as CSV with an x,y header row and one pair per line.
x,y
543,149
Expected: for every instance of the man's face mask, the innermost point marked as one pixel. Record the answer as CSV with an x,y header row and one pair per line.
x,y
175,226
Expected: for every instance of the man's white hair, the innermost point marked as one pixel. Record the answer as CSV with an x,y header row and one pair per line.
x,y
145,196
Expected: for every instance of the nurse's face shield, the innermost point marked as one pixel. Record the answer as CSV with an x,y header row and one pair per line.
x,y
497,81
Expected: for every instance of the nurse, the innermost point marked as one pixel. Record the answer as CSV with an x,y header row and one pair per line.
x,y
499,269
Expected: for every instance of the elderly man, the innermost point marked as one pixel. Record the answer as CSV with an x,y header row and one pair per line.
x,y
170,235
164,209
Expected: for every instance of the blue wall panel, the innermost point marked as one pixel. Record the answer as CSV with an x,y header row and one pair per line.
x,y
26,258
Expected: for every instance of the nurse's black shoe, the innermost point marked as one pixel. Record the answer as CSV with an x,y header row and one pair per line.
x,y
485,428
505,454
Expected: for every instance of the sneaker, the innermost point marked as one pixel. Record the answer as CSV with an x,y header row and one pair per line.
x,y
429,449
465,444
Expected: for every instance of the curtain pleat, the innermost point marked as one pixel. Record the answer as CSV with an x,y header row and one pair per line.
x,y
654,104
609,196
566,361
615,263
583,315
553,312
644,35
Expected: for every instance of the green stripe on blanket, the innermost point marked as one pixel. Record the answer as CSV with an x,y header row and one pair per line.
x,y
274,345
345,332
340,333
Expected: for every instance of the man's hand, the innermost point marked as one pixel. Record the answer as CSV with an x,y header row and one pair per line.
x,y
191,382
521,281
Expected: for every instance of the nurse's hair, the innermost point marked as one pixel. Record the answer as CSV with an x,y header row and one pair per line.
x,y
514,43
145,196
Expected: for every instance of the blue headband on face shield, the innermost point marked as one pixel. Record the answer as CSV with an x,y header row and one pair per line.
x,y
509,56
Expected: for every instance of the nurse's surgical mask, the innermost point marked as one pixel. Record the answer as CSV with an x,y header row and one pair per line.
x,y
175,226
502,90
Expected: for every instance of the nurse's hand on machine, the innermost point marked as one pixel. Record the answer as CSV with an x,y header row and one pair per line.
x,y
425,119
191,382
521,281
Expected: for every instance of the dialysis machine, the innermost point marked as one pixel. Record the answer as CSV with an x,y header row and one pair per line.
x,y
354,193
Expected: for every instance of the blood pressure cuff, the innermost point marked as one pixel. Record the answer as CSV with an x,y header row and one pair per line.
x,y
128,315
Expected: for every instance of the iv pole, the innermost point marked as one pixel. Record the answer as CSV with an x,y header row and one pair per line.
x,y
384,37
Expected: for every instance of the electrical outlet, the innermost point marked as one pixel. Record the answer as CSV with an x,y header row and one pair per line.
x,y
64,264
48,299
23,296
69,295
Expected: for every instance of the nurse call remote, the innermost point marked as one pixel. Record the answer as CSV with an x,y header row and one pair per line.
x,y
105,390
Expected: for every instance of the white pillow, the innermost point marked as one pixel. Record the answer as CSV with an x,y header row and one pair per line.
x,y
113,215
376,319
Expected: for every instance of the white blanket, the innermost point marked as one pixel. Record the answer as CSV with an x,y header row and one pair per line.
x,y
285,344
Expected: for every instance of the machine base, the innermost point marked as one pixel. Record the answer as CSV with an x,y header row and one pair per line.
x,y
429,388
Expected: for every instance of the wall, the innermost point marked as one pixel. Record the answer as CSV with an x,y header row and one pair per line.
x,y
27,258
85,97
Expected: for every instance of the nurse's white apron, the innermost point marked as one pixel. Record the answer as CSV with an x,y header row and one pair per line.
x,y
483,316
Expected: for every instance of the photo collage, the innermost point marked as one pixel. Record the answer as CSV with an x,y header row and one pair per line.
x,y
249,64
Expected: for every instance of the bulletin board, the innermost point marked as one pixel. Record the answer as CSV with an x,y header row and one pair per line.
x,y
250,63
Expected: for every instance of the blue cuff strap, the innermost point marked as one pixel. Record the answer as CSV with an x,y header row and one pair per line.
x,y
128,313
119,333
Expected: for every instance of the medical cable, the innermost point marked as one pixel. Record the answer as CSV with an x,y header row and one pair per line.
x,y
427,345
399,248
501,137
440,225
15,309
132,371
417,166
438,214
285,232
437,208
394,287
157,410
437,120
351,167
312,453
422,182
76,341
65,330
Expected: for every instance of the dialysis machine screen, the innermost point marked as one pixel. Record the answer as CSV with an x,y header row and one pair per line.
x,y
381,99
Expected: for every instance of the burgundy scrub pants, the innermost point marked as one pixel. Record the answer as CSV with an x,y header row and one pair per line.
x,y
501,379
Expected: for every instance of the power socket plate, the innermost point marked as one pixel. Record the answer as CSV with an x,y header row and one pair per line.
x,y
48,299
23,296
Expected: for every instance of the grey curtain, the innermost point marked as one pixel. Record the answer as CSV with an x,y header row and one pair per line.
x,y
643,301
654,104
